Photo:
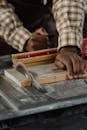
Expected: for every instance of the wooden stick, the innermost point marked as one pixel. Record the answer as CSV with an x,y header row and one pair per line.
x,y
36,60
34,53
17,77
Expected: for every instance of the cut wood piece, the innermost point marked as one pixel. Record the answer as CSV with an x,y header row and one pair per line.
x,y
47,73
53,78
17,77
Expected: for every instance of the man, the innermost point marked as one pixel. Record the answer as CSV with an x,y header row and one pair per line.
x,y
33,35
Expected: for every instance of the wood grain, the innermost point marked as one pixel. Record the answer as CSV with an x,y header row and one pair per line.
x,y
36,58
47,73
17,77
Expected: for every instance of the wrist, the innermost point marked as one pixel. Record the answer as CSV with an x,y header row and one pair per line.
x,y
26,45
67,49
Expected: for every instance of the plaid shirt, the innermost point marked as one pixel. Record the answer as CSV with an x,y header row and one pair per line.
x,y
69,17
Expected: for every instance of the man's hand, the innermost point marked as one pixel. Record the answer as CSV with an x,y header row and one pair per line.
x,y
38,40
68,58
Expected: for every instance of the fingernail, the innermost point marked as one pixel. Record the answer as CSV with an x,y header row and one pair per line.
x,y
85,71
75,76
70,76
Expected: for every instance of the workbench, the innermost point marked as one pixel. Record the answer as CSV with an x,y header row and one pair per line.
x,y
20,106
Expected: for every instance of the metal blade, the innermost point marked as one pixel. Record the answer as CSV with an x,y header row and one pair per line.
x,y
28,74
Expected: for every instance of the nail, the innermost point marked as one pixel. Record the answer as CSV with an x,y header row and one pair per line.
x,y
70,76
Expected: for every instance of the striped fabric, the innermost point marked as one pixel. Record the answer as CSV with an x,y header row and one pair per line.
x,y
69,17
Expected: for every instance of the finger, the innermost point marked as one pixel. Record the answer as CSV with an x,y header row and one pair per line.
x,y
59,64
85,66
41,31
39,38
69,68
69,76
76,65
44,32
82,66
30,46
66,61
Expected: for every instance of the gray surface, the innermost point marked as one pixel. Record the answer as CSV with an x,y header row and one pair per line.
x,y
20,102
17,102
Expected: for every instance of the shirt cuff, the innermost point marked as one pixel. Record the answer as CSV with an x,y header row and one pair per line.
x,y
70,38
19,38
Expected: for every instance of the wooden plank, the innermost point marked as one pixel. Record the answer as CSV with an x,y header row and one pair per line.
x,y
47,73
17,77
43,75
35,58
34,53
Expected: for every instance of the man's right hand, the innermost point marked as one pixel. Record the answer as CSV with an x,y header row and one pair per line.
x,y
38,40
68,58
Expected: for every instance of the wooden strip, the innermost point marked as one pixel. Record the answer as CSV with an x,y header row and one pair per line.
x,y
17,77
53,78
34,53
36,60
38,63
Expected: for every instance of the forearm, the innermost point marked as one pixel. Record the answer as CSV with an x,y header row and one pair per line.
x,y
69,17
11,29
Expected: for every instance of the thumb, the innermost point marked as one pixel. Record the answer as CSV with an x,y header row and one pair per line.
x,y
41,31
60,65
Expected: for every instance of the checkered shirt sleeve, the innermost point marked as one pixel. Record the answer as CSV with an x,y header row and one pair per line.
x,y
69,17
11,29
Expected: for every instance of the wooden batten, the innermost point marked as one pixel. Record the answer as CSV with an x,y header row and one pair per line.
x,y
35,58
